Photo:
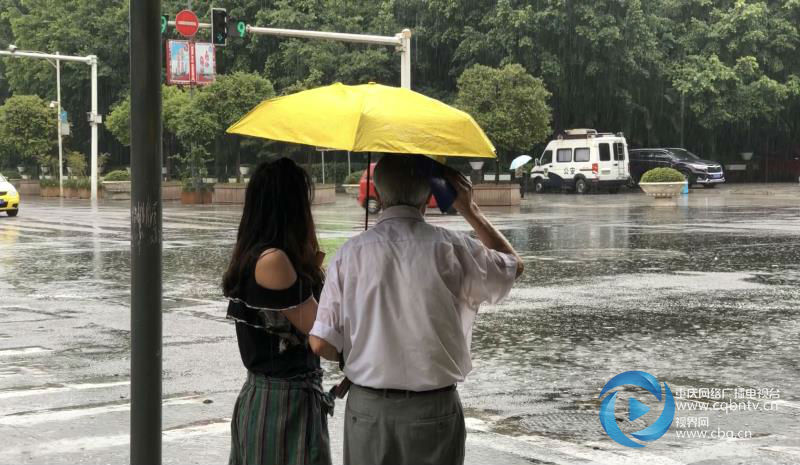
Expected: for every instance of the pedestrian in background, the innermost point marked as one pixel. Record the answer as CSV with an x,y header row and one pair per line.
x,y
272,283
399,301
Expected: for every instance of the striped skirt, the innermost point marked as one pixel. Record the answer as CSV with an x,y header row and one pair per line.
x,y
281,421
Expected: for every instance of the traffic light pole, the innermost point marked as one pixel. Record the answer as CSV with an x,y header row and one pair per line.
x,y
401,40
94,117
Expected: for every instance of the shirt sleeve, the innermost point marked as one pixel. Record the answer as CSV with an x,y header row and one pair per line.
x,y
327,326
487,274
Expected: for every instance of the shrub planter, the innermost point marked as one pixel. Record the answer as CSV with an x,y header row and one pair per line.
x,y
171,190
26,186
117,190
232,193
49,191
324,194
496,195
196,197
663,184
70,192
84,193
665,193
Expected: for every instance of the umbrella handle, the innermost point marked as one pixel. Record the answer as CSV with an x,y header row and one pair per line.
x,y
366,197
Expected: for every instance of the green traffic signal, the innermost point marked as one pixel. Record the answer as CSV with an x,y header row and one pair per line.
x,y
163,23
219,26
241,27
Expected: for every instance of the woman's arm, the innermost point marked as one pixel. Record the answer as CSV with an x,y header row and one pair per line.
x,y
323,348
274,271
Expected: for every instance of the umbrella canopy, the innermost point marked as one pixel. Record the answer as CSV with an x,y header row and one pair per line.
x,y
519,161
367,118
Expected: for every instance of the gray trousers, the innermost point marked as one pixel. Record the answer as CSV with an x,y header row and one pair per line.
x,y
397,429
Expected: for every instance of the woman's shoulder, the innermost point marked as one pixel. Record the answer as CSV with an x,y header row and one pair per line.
x,y
274,270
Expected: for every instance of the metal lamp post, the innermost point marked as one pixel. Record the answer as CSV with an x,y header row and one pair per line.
x,y
57,106
94,117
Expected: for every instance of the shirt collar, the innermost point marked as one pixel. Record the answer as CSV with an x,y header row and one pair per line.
x,y
400,211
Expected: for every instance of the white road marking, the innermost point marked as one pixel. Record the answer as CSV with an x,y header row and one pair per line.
x,y
88,443
793,451
17,351
43,416
556,451
35,391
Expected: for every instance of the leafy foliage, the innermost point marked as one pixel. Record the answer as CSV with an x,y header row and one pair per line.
x,y
118,121
662,175
335,173
715,77
117,175
83,182
354,177
508,103
76,161
48,182
27,131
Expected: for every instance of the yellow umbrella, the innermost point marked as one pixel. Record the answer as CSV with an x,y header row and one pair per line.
x,y
367,118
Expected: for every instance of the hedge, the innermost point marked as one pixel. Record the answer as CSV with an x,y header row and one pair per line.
x,y
662,175
354,177
337,176
117,175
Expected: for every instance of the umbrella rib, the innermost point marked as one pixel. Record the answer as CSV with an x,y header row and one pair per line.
x,y
358,124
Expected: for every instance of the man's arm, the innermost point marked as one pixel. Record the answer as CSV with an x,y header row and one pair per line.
x,y
485,230
325,337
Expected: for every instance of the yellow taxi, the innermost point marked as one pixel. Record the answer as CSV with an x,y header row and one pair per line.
x,y
9,197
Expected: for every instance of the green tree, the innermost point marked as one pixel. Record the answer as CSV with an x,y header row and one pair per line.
x,y
195,130
225,101
27,131
77,27
719,75
508,103
118,121
231,96
76,161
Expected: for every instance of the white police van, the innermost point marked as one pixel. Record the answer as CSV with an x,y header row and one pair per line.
x,y
583,160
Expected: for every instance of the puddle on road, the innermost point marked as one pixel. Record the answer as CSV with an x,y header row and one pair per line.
x,y
699,296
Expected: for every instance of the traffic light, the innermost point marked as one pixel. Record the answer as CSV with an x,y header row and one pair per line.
x,y
219,26
237,28
164,22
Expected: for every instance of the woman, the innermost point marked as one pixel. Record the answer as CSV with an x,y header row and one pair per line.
x,y
272,283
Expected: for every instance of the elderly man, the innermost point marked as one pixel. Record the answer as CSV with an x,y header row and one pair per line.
x,y
399,302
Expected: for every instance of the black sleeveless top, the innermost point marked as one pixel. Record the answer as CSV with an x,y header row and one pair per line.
x,y
268,343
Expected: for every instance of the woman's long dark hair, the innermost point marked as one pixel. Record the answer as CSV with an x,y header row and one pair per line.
x,y
277,213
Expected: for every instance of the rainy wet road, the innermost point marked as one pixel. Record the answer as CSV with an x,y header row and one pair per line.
x,y
705,296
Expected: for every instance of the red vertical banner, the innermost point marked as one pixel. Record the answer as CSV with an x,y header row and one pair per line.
x,y
205,63
192,63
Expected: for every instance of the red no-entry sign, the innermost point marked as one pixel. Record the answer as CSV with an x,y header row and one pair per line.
x,y
186,23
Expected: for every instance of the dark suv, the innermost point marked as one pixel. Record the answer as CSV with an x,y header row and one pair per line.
x,y
697,171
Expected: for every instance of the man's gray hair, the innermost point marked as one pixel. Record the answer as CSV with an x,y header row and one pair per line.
x,y
402,180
